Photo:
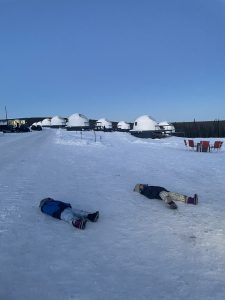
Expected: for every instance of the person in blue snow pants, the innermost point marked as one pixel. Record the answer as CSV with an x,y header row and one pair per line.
x,y
64,211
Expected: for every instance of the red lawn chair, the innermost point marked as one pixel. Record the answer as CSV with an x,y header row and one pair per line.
x,y
217,145
191,144
205,146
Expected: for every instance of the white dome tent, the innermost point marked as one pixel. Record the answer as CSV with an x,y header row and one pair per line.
x,y
78,122
103,124
123,126
167,127
58,122
146,127
145,123
46,123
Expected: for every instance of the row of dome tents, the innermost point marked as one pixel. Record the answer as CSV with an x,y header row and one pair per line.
x,y
144,126
55,122
81,122
106,125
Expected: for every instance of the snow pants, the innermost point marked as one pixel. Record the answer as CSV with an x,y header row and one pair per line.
x,y
171,196
69,214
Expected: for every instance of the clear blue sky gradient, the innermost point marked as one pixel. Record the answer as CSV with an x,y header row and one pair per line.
x,y
117,59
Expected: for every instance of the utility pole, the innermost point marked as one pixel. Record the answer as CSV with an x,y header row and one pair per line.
x,y
6,116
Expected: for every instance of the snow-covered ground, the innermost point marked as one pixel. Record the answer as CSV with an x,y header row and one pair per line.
x,y
139,249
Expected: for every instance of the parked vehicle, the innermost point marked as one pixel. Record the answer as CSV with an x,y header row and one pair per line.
x,y
22,128
6,128
37,128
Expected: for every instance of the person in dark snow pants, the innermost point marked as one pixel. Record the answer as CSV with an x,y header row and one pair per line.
x,y
158,192
64,211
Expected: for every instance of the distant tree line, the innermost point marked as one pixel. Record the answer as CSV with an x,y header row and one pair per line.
x,y
196,129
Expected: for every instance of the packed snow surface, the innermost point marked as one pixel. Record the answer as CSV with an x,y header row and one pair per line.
x,y
139,248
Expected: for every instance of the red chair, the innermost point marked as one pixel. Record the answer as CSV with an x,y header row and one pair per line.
x,y
217,145
205,146
191,144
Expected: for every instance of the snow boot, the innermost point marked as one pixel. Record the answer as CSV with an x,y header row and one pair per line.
x,y
172,205
80,223
93,217
193,200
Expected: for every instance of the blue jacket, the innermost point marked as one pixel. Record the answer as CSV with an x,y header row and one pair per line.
x,y
53,207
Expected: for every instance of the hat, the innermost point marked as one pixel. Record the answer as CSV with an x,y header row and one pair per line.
x,y
44,200
137,188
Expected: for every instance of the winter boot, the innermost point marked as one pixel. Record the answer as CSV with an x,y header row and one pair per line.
x,y
80,223
172,205
93,217
193,200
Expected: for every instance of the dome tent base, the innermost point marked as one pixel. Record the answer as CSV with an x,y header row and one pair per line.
x,y
57,126
78,128
100,128
148,134
123,130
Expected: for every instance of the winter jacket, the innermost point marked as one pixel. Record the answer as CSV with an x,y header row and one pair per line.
x,y
152,192
53,207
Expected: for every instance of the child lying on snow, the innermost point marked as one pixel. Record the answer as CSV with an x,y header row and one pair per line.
x,y
78,218
65,212
158,192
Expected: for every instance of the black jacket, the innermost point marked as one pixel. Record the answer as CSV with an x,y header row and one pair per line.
x,y
152,192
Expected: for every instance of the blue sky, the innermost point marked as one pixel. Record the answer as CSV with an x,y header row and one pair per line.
x,y
117,59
